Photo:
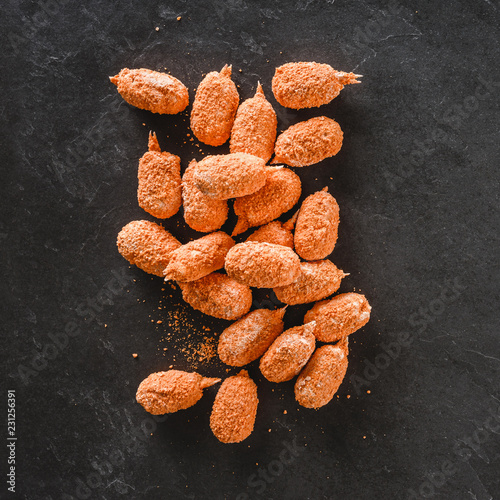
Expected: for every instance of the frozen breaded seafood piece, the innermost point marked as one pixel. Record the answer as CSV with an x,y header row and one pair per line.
x,y
159,191
230,176
339,317
316,229
147,246
214,107
151,90
309,84
309,142
218,295
171,391
317,280
262,265
279,194
199,258
234,409
254,129
289,353
201,212
249,338
321,378
275,233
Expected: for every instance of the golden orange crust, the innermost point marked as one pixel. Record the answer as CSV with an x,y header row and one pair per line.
x,y
262,265
309,142
214,107
339,317
230,176
147,246
275,233
308,84
317,280
159,191
289,353
171,391
316,229
234,410
249,338
321,378
199,258
218,295
201,212
151,90
254,129
279,194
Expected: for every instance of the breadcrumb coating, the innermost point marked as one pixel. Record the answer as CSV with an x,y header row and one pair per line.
x,y
249,338
214,107
309,142
151,90
147,246
262,265
321,378
199,258
317,280
234,410
339,317
230,176
201,212
316,229
281,191
171,391
218,295
309,84
289,353
254,129
159,175
275,233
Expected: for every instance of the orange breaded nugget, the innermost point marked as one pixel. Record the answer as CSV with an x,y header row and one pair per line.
x,y
279,194
339,317
249,338
171,391
201,212
288,353
234,410
309,142
317,281
159,191
151,90
218,295
147,246
274,232
309,84
262,265
317,226
198,258
214,107
320,379
230,176
254,129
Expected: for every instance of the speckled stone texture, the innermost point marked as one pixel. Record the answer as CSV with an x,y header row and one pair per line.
x,y
417,183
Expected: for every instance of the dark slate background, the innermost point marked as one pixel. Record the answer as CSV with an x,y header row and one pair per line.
x,y
417,182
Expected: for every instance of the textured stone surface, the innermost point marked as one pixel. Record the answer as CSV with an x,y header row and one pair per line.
x,y
417,184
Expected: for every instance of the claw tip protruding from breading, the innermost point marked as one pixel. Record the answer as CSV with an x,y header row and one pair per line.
x,y
347,78
241,226
325,189
208,382
226,71
290,224
259,91
153,143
